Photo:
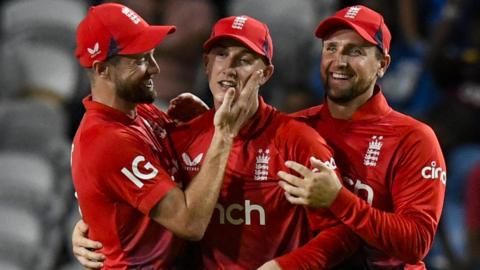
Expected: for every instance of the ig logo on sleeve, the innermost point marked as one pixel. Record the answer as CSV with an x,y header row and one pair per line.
x,y
135,173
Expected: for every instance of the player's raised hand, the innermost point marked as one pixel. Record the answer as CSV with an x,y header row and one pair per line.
x,y
185,107
234,113
313,188
84,248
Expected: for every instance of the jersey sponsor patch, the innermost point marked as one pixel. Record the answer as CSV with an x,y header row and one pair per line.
x,y
192,164
433,172
238,214
135,174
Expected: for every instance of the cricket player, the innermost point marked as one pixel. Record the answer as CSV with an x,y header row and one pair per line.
x,y
123,166
394,174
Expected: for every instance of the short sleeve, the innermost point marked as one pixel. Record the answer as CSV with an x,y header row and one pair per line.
x,y
130,170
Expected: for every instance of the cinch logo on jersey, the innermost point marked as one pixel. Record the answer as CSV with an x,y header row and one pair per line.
x,y
239,22
432,172
373,151
131,15
352,12
360,189
192,165
136,173
237,214
261,166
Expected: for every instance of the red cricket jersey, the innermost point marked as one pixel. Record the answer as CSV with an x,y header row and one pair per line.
x,y
395,176
253,222
121,168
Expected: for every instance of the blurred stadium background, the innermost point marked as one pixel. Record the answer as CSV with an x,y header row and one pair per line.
x,y
434,76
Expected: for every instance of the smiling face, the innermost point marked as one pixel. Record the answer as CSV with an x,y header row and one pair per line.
x,y
230,64
132,77
350,66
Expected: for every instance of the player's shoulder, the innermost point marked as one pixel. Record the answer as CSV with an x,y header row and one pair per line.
x,y
150,111
312,112
410,126
292,127
187,133
102,133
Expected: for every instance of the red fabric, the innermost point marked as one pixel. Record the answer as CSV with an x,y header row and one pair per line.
x,y
253,222
399,186
473,200
109,150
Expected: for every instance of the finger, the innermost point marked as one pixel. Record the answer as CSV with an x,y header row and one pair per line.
x,y
293,190
228,99
290,178
252,86
88,254
89,264
299,168
93,256
318,164
295,200
87,243
79,237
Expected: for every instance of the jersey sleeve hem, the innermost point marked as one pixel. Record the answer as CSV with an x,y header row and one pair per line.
x,y
155,195
345,199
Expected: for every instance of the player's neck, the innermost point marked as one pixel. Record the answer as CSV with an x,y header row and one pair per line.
x,y
107,96
346,110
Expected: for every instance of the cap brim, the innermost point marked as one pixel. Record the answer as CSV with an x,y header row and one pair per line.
x,y
211,41
327,26
148,40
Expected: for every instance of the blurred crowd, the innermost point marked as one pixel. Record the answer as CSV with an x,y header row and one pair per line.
x,y
434,76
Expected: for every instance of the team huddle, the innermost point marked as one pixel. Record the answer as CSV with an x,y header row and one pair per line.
x,y
349,184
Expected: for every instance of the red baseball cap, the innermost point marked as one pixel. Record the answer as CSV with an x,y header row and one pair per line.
x,y
113,29
249,31
366,22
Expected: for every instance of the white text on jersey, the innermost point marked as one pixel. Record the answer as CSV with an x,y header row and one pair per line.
x,y
237,214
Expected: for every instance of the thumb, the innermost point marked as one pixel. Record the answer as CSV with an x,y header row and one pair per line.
x,y
318,164
82,226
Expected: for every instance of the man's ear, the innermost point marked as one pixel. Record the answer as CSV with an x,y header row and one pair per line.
x,y
267,74
384,63
101,69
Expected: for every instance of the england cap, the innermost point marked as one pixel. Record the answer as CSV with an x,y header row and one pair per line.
x,y
366,22
113,29
247,30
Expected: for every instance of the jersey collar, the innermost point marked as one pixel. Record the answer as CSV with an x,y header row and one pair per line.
x,y
258,121
375,108
97,107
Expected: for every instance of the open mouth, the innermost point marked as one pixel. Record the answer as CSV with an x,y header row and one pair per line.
x,y
340,76
227,84
148,83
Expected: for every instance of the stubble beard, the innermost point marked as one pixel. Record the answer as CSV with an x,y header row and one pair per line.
x,y
135,92
347,95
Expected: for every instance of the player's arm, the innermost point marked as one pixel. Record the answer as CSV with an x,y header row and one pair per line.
x,y
418,190
328,248
187,213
